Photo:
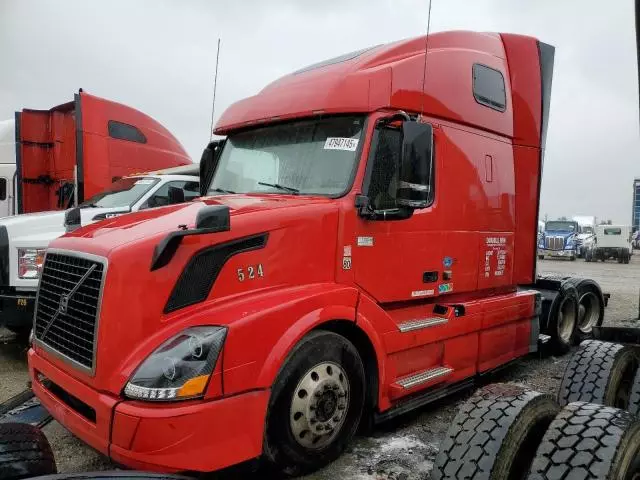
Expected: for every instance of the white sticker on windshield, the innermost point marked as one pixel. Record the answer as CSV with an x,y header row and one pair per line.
x,y
341,143
143,182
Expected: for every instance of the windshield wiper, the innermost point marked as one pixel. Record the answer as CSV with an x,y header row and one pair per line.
x,y
292,190
221,190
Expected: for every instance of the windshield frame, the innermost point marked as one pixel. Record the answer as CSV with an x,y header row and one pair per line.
x,y
364,138
87,203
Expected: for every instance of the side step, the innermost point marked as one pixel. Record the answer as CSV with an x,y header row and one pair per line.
x,y
422,398
424,378
420,323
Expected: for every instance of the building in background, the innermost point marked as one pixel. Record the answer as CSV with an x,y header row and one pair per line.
x,y
635,207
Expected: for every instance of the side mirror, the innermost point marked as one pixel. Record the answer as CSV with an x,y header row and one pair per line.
x,y
208,164
72,219
416,163
176,195
213,217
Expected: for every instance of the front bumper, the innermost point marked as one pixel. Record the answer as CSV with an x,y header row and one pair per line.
x,y
16,309
557,253
198,436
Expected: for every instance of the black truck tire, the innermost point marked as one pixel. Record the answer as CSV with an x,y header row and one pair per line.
x,y
562,323
304,430
634,397
588,256
495,434
588,441
599,372
24,452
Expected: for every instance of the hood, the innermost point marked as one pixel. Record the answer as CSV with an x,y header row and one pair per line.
x,y
102,238
282,223
38,229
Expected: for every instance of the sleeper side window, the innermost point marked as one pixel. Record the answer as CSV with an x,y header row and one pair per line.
x,y
489,88
124,131
3,188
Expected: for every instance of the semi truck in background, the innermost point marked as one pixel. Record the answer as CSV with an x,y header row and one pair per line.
x,y
366,245
57,158
7,166
28,235
559,240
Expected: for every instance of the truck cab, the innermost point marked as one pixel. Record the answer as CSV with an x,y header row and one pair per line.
x,y
62,156
559,240
366,244
27,236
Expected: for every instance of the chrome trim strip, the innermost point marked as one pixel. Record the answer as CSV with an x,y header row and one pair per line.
x,y
423,377
36,341
420,323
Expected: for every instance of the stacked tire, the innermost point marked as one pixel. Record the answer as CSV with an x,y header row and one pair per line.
x,y
509,432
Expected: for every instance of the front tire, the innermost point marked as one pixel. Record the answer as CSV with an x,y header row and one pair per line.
x,y
316,404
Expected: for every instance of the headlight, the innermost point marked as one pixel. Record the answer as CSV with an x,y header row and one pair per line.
x,y
30,262
180,368
571,242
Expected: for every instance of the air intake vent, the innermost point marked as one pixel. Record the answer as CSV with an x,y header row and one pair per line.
x,y
201,272
67,306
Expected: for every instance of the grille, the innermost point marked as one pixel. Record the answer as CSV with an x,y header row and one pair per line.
x,y
554,243
67,307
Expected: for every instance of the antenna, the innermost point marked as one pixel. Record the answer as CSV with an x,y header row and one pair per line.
x,y
215,84
426,51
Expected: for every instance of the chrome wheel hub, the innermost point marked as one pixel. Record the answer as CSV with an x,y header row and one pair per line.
x,y
566,320
319,405
588,312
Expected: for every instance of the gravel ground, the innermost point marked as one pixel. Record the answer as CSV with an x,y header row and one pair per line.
x,y
403,449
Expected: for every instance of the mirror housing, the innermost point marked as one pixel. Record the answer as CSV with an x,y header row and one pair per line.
x,y
72,219
416,164
208,164
214,218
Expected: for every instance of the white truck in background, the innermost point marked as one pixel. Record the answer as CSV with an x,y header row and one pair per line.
x,y
611,241
7,167
24,238
586,233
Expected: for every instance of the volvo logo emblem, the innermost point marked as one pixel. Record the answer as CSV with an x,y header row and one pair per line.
x,y
64,303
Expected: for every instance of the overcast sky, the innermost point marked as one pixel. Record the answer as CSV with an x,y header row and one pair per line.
x,y
159,56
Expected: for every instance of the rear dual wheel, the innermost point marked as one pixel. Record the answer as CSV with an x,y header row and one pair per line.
x,y
316,404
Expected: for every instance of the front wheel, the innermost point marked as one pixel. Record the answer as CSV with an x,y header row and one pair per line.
x,y
316,404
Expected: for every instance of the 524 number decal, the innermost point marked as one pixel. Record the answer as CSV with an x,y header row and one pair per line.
x,y
250,272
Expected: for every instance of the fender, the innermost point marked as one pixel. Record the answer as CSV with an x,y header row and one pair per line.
x,y
369,312
258,343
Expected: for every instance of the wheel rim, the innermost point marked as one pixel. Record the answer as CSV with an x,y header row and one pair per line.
x,y
319,405
566,320
588,312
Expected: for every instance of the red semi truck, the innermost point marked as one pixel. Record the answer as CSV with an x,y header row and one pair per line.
x,y
71,152
366,244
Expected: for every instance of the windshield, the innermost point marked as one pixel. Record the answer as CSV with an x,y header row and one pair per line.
x,y
304,157
123,193
560,227
587,229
